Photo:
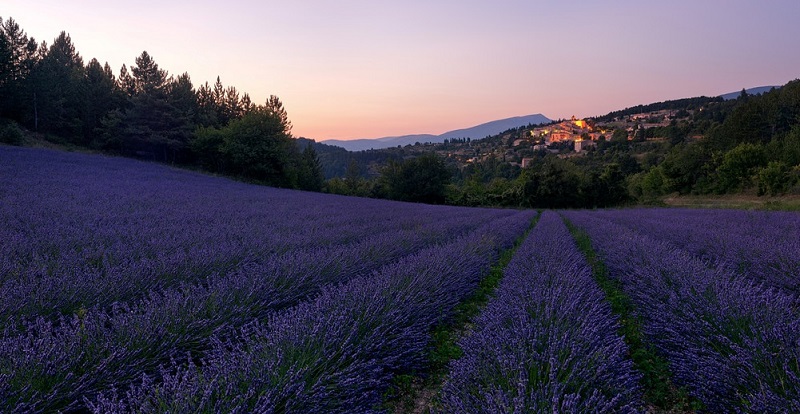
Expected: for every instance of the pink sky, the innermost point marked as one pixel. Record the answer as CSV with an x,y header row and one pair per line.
x,y
365,69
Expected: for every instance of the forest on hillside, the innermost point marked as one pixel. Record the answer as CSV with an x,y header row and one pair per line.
x,y
145,112
747,145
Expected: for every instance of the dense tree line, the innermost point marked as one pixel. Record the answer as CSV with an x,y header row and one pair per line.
x,y
421,179
597,180
145,112
751,144
677,105
552,182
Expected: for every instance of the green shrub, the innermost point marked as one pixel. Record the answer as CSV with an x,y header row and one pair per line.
x,y
10,133
775,179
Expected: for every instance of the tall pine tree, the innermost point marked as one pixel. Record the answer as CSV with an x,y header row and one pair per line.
x,y
309,175
102,96
153,127
18,56
59,89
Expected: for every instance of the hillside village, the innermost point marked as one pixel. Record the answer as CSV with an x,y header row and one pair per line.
x,y
518,147
566,138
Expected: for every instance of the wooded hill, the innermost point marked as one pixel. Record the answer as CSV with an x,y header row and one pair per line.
x,y
145,112
747,145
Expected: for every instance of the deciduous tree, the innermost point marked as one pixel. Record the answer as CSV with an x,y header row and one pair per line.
x,y
258,146
423,179
739,166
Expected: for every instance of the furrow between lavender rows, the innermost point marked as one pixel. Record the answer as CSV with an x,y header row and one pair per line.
x,y
547,341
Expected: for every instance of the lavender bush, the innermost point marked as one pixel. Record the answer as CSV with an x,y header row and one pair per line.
x,y
547,342
133,287
759,245
734,344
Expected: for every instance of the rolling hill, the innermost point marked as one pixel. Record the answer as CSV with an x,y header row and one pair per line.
x,y
751,91
475,132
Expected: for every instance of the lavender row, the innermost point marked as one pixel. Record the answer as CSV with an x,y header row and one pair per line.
x,y
130,339
734,344
761,245
546,342
81,230
337,353
51,362
74,288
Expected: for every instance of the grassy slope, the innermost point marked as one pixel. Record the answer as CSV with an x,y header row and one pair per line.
x,y
736,201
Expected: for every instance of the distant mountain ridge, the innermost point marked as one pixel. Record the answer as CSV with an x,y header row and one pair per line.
x,y
752,91
476,132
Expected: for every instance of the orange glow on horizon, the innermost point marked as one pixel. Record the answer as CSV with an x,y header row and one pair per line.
x,y
350,70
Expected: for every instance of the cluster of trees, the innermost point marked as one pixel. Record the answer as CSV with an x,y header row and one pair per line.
x,y
680,105
597,180
751,144
145,112
551,182
422,179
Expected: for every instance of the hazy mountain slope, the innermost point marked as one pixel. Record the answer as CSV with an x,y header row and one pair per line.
x,y
752,91
475,132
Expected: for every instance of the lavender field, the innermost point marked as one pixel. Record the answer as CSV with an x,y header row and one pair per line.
x,y
134,287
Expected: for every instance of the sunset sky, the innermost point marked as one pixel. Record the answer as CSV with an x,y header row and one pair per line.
x,y
365,69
